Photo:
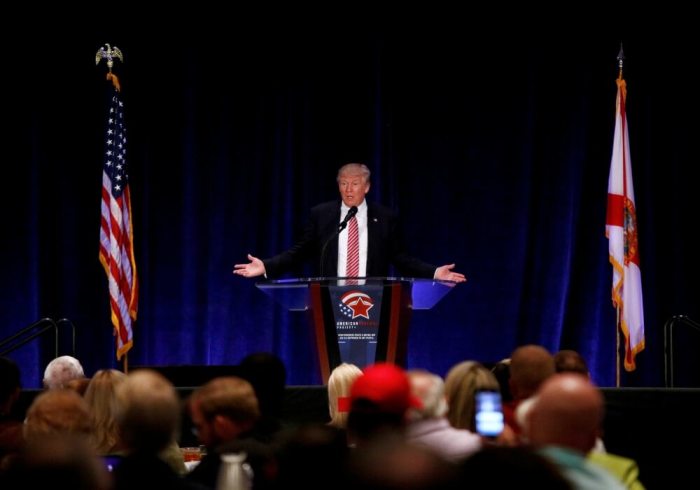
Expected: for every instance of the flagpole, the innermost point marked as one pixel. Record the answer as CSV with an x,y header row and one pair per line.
x,y
620,64
117,86
617,348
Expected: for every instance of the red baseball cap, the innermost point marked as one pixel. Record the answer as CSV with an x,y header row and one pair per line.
x,y
386,385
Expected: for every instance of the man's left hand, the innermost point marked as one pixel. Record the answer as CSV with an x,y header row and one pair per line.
x,y
445,273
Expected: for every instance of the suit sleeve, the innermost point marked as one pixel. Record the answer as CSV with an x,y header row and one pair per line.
x,y
411,266
295,256
403,262
323,220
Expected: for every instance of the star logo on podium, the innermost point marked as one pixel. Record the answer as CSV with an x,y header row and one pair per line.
x,y
356,304
360,308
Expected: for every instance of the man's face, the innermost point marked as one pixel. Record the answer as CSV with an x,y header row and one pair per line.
x,y
204,428
353,189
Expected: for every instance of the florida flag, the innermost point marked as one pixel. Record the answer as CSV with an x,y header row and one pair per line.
x,y
621,230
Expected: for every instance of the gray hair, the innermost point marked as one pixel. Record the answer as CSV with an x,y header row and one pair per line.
x,y
429,388
61,370
354,169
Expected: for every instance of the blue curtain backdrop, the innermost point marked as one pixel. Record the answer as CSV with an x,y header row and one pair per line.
x,y
494,151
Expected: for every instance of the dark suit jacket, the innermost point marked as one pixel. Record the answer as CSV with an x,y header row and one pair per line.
x,y
384,245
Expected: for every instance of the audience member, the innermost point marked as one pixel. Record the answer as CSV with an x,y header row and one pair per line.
x,y
563,423
101,398
11,438
61,370
530,365
268,376
428,425
148,413
625,469
312,456
510,468
379,401
564,361
225,411
570,361
390,463
501,370
461,384
57,412
339,382
59,462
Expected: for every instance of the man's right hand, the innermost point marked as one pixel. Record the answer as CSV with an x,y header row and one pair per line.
x,y
252,269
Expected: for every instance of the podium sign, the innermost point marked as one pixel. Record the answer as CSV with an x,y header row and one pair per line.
x,y
356,314
358,321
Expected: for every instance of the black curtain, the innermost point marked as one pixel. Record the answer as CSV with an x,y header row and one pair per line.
x,y
495,151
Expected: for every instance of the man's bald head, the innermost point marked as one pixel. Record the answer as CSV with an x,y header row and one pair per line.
x,y
567,412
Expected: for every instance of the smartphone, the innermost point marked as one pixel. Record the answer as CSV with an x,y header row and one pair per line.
x,y
111,461
488,413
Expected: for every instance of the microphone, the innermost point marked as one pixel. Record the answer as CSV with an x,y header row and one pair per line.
x,y
343,224
351,212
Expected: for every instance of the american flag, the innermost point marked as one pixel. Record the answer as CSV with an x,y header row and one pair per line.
x,y
116,231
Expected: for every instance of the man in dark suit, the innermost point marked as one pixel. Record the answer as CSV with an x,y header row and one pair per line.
x,y
326,248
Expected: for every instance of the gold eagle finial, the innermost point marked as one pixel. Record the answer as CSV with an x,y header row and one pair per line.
x,y
110,53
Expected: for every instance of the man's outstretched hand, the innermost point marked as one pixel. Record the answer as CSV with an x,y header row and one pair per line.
x,y
252,269
444,273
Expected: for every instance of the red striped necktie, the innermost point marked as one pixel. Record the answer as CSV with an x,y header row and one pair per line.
x,y
353,258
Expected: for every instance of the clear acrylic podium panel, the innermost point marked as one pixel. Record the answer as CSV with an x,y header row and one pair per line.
x,y
294,294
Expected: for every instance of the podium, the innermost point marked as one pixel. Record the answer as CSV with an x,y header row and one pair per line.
x,y
358,320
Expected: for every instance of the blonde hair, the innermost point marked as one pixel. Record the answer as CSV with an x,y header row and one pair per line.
x,y
101,398
461,384
354,169
339,383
